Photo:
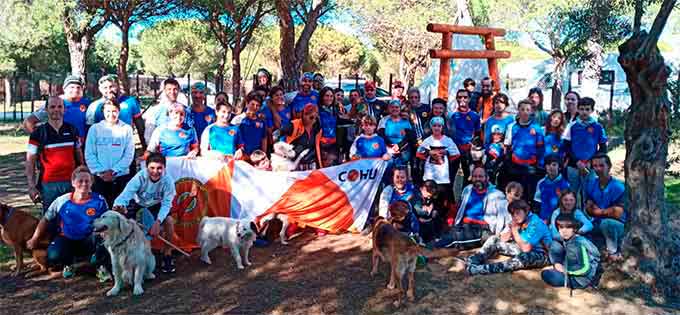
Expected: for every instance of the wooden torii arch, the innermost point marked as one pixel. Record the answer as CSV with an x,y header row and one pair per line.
x,y
447,52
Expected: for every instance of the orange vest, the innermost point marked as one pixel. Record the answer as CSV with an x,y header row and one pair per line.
x,y
299,130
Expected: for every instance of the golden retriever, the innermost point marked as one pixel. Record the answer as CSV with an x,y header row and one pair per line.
x,y
130,251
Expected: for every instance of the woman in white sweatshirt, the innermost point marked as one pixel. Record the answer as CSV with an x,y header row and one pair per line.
x,y
109,152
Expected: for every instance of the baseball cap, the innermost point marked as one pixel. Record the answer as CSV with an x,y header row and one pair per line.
x,y
198,86
394,103
72,79
307,76
397,84
436,121
369,85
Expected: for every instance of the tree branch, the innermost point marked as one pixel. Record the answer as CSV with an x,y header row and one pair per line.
x,y
639,12
658,26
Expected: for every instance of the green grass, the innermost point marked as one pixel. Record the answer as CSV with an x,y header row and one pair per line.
x,y
673,191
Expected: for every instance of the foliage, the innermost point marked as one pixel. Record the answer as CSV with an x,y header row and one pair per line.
x,y
332,52
178,47
399,29
479,11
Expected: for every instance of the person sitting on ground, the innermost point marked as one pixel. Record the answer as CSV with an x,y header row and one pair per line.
x,y
605,197
549,188
481,213
576,260
174,139
567,206
526,244
430,210
222,140
110,152
401,189
439,153
75,213
368,144
148,199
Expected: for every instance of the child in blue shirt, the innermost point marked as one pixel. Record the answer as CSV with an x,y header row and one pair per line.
x,y
495,152
368,144
549,188
253,128
221,139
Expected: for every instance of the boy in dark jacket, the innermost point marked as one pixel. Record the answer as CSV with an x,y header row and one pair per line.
x,y
576,262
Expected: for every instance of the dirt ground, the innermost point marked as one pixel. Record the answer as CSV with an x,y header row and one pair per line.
x,y
325,275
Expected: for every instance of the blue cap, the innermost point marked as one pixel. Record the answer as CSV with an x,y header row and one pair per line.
x,y
307,75
436,121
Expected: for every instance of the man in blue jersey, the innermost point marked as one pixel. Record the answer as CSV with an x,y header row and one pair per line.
x,y
526,244
130,112
75,106
159,114
201,114
582,139
464,125
374,106
605,196
305,95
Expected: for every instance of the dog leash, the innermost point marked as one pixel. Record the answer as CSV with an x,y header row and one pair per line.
x,y
175,247
125,239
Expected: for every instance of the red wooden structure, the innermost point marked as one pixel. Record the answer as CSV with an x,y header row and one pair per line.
x,y
447,52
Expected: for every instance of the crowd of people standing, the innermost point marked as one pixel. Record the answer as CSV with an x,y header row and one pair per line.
x,y
536,186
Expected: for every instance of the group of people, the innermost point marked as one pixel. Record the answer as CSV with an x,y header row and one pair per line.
x,y
536,185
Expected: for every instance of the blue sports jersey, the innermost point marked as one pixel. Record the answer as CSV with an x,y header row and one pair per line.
x,y
474,209
495,151
252,133
585,138
526,143
329,124
172,143
299,101
75,114
548,194
496,123
369,147
161,117
75,219
376,108
535,232
203,119
285,114
553,144
395,131
463,126
410,195
225,140
129,110
611,195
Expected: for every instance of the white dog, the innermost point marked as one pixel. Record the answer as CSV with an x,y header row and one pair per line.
x,y
130,251
238,235
283,158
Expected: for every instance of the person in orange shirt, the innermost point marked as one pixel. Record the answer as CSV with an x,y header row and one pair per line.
x,y
485,101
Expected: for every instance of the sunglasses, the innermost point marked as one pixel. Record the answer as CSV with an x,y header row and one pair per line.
x,y
463,97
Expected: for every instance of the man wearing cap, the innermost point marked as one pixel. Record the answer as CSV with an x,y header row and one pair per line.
x,y
305,95
318,82
398,91
130,112
75,106
376,107
202,115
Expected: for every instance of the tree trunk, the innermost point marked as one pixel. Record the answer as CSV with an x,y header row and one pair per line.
x,y
591,71
220,68
651,245
124,54
77,49
290,73
236,68
557,76
8,92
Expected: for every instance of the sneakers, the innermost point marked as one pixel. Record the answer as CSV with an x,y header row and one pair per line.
x,y
68,272
103,275
168,265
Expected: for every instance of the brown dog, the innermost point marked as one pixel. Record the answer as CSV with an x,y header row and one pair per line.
x,y
402,253
17,228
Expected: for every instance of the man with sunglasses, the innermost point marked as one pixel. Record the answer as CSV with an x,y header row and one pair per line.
x,y
376,107
464,125
130,112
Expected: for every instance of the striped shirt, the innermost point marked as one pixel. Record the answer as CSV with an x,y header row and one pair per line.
x,y
56,150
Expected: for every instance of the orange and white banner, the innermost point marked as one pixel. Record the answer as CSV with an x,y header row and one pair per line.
x,y
335,199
